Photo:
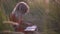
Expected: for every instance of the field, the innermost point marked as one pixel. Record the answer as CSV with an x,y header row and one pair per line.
x,y
44,13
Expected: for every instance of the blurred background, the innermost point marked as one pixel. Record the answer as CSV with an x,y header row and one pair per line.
x,y
44,13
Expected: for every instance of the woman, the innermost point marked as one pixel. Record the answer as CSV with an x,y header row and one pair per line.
x,y
16,16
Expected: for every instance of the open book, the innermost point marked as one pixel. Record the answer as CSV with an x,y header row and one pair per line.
x,y
31,28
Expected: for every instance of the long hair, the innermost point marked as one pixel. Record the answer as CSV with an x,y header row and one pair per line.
x,y
22,7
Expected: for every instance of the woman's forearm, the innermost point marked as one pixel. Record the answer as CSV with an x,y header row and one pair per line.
x,y
10,22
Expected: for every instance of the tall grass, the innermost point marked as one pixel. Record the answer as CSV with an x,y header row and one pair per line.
x,y
3,17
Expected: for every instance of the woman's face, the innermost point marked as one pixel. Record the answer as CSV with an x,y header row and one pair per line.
x,y
22,8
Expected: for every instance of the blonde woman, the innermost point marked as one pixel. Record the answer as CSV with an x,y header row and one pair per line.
x,y
16,16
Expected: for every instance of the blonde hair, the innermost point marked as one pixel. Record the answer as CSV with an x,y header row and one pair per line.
x,y
24,6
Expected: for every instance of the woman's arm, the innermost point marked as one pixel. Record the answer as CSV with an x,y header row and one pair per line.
x,y
10,22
